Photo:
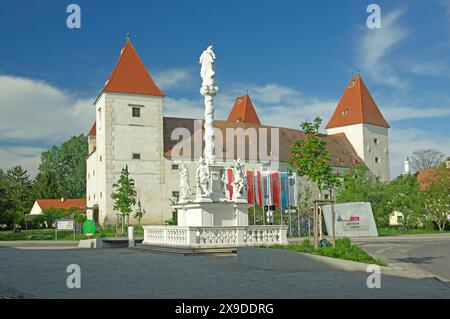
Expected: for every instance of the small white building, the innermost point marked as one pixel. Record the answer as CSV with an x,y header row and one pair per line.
x,y
396,219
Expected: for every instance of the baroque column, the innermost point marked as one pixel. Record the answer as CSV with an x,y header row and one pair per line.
x,y
208,91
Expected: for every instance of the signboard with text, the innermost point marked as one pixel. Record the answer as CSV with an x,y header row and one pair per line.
x,y
65,225
351,219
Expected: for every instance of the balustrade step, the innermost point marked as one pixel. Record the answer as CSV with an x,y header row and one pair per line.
x,y
230,250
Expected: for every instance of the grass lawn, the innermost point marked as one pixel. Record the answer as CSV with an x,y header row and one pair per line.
x,y
343,250
393,231
49,234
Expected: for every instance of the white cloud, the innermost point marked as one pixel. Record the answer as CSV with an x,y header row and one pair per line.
x,y
27,157
375,45
34,110
402,142
174,78
436,68
404,112
275,105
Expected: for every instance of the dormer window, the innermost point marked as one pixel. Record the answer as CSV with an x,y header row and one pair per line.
x,y
344,112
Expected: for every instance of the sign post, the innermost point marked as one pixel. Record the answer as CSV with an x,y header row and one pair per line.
x,y
89,228
64,225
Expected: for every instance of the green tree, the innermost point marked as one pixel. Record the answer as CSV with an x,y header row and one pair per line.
x,y
311,158
437,199
139,212
62,171
15,196
124,195
403,195
18,189
360,186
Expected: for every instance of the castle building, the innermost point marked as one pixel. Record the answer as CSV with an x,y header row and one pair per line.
x,y
131,130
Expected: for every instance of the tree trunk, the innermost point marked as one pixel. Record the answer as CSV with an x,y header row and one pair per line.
x,y
319,210
123,225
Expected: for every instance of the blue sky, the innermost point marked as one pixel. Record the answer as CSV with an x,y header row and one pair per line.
x,y
294,58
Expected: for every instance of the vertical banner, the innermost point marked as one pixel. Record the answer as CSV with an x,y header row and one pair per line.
x,y
275,185
229,181
250,188
284,190
267,194
258,187
293,195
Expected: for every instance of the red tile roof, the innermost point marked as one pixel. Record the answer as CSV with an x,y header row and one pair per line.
x,y
243,111
57,203
131,76
357,106
427,177
342,152
93,130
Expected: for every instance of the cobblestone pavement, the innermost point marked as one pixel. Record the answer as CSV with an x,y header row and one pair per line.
x,y
124,273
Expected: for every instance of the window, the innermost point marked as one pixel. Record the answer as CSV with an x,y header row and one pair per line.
x,y
399,219
137,156
326,196
345,112
89,175
93,172
377,160
175,167
101,194
136,111
376,141
175,194
99,114
100,158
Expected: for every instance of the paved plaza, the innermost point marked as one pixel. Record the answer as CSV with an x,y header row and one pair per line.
x,y
127,273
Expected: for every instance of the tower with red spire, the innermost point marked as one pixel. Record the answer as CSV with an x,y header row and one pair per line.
x,y
359,118
128,132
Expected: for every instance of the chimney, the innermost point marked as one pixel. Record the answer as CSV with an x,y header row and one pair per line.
x,y
406,167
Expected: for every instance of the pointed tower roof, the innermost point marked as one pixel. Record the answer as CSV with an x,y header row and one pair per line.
x,y
130,75
243,111
93,130
356,106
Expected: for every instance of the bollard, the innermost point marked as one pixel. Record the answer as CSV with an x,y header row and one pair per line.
x,y
130,236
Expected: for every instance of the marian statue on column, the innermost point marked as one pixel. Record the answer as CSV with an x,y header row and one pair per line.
x,y
208,72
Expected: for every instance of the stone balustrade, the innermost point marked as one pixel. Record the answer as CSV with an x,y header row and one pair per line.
x,y
215,236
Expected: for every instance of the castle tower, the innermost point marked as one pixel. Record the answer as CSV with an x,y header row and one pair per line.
x,y
128,131
360,119
243,111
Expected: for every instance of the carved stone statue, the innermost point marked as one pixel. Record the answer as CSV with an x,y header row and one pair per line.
x,y
207,72
185,188
202,177
239,178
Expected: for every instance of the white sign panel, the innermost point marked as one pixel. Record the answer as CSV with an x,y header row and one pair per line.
x,y
351,219
64,225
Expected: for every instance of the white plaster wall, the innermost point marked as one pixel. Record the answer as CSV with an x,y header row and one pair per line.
x,y
125,135
36,209
362,136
